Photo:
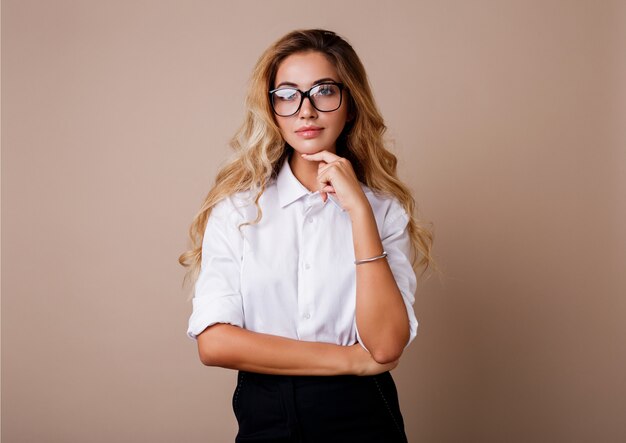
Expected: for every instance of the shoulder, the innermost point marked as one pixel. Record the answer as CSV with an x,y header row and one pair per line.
x,y
241,205
386,207
234,207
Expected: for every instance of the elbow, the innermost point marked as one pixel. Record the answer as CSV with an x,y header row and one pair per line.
x,y
207,358
210,348
208,355
384,356
390,350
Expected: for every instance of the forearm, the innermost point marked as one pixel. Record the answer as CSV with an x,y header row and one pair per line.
x,y
232,347
381,314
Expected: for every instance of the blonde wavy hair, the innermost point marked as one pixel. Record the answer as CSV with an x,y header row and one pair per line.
x,y
259,149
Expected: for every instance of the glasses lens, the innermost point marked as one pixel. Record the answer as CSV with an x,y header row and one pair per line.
x,y
326,97
286,101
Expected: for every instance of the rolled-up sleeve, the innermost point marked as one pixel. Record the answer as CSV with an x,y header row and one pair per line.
x,y
217,296
397,242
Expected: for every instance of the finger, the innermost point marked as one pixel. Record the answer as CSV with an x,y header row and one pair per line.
x,y
340,164
328,189
325,167
321,166
326,156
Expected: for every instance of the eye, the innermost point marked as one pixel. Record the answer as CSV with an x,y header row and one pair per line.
x,y
286,94
324,90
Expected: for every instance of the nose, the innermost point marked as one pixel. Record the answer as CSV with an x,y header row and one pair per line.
x,y
307,110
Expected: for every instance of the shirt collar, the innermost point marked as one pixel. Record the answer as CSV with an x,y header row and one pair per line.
x,y
290,189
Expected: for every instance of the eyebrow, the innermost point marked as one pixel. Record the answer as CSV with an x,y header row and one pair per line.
x,y
321,80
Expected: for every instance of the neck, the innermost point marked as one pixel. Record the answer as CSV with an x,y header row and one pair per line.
x,y
305,171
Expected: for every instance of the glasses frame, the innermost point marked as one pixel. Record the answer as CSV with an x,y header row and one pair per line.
x,y
307,94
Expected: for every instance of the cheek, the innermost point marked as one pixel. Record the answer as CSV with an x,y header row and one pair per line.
x,y
341,120
283,125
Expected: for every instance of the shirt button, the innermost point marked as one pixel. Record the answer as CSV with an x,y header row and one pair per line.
x,y
310,219
306,315
307,266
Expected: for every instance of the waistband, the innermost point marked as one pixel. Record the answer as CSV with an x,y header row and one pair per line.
x,y
279,378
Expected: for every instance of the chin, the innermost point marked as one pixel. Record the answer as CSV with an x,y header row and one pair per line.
x,y
312,148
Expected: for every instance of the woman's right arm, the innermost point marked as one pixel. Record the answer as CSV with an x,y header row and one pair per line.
x,y
232,347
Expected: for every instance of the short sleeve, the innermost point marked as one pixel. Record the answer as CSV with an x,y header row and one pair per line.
x,y
397,243
217,296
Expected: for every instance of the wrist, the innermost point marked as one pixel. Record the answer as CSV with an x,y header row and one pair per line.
x,y
361,211
354,360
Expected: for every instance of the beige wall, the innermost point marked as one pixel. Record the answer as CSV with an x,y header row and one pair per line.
x,y
508,117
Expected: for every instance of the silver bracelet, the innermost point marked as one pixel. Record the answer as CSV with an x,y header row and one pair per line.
x,y
367,260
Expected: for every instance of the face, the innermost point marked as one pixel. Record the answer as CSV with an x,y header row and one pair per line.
x,y
303,71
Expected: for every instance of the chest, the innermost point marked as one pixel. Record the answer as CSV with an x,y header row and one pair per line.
x,y
307,246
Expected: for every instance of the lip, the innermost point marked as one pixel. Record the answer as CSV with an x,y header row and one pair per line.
x,y
309,131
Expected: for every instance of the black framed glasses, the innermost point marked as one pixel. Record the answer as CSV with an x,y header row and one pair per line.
x,y
325,97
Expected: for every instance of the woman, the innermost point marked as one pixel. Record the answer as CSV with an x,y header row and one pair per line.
x,y
303,254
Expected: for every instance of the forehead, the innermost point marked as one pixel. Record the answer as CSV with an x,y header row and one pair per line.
x,y
304,69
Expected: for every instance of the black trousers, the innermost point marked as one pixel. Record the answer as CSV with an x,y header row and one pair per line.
x,y
317,409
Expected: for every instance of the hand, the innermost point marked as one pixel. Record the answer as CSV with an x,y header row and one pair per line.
x,y
364,364
336,176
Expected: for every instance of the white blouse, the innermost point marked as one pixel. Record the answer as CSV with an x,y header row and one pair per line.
x,y
293,273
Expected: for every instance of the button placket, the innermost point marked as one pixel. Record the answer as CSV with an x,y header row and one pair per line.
x,y
307,233
306,328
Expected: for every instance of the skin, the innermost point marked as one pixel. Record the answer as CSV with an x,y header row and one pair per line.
x,y
380,311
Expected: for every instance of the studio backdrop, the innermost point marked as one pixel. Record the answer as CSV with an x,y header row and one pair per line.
x,y
508,121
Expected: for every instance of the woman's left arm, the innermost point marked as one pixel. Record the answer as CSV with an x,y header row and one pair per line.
x,y
381,313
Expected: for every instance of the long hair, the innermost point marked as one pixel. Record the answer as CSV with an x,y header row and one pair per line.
x,y
259,149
